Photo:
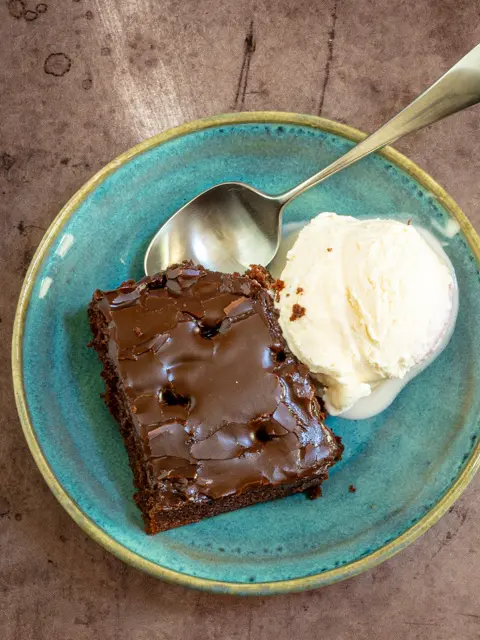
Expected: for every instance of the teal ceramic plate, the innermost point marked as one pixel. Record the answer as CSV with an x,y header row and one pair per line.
x,y
408,465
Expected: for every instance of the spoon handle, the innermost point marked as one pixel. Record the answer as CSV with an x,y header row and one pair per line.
x,y
456,90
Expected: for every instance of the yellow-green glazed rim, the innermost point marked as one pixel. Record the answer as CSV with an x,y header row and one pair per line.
x,y
297,584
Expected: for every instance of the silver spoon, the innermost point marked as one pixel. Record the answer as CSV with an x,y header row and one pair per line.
x,y
232,225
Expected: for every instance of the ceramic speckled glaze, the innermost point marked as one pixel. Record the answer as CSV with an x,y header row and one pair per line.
x,y
408,464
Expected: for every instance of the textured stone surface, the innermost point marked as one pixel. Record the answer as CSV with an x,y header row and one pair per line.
x,y
81,81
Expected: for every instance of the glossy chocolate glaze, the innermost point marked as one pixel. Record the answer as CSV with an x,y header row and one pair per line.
x,y
217,399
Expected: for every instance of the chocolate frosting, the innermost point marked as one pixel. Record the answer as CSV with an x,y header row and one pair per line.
x,y
217,399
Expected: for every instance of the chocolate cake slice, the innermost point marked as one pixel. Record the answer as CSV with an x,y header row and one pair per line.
x,y
215,411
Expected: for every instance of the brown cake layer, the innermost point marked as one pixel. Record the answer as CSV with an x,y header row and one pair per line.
x,y
215,411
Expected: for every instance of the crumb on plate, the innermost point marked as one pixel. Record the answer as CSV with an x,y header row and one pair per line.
x,y
297,312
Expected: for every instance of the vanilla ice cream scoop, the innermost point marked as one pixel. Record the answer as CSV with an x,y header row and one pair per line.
x,y
364,301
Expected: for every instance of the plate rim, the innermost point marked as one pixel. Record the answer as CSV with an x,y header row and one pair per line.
x,y
82,519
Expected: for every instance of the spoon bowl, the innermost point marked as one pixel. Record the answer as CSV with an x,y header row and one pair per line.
x,y
226,228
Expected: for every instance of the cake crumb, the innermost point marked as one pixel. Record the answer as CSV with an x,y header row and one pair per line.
x,y
138,332
314,492
352,488
299,290
329,249
261,275
297,312
277,287
134,409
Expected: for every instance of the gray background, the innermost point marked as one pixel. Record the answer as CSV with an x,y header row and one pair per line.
x,y
120,72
